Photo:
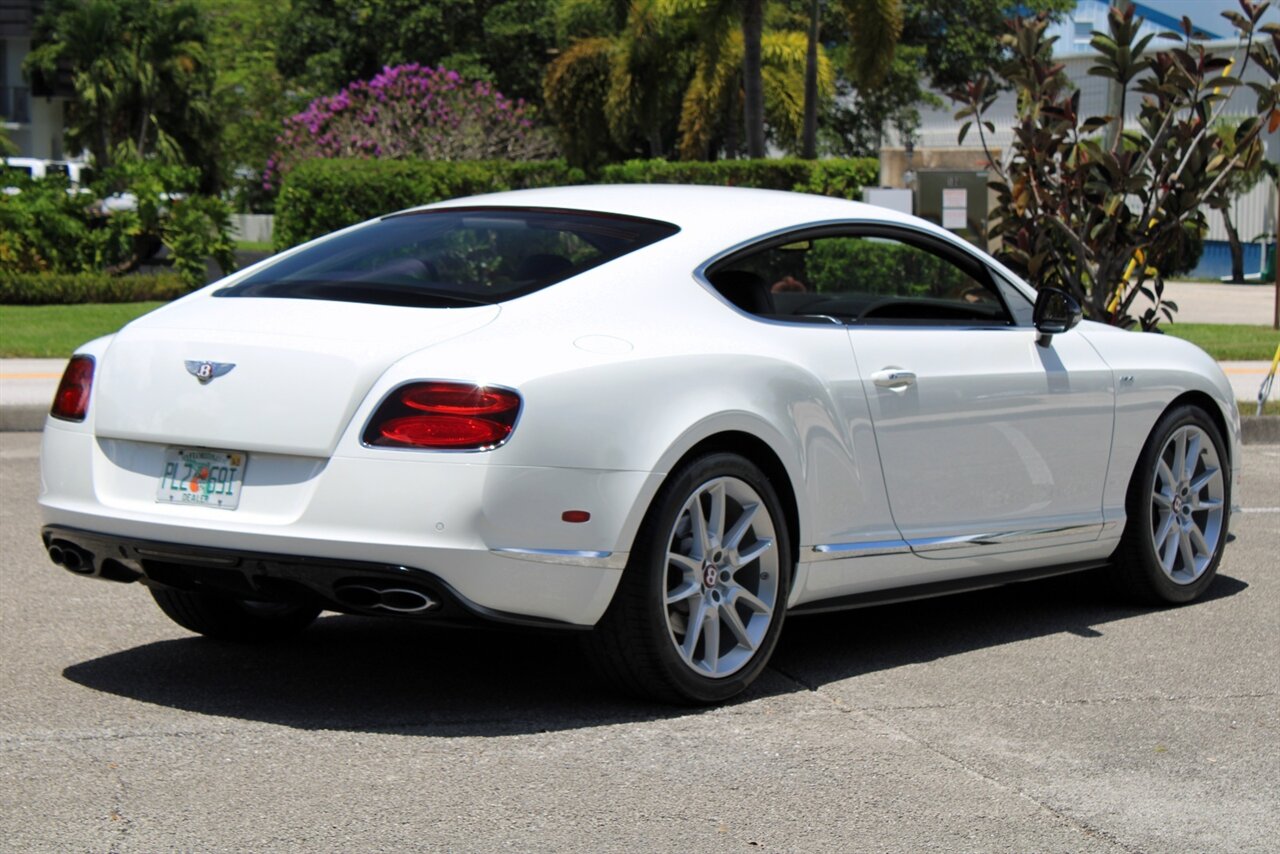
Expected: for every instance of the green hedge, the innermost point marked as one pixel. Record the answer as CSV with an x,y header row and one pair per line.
x,y
321,196
69,288
842,178
882,268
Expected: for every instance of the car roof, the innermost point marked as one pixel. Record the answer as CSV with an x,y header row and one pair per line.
x,y
696,209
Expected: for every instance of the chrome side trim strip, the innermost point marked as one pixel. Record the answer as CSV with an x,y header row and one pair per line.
x,y
567,557
929,544
833,551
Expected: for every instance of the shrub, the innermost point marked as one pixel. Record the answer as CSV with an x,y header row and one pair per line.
x,y
321,196
49,227
44,226
841,178
1097,215
411,112
882,268
70,288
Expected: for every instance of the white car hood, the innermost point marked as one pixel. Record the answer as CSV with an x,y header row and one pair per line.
x,y
301,368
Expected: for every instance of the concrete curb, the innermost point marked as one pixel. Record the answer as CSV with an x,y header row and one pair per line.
x,y
1260,429
22,418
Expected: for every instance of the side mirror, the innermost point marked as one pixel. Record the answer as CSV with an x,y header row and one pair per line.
x,y
1056,312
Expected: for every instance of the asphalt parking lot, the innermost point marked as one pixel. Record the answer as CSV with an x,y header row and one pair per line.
x,y
1039,717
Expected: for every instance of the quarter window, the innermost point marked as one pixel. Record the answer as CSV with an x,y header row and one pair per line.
x,y
870,278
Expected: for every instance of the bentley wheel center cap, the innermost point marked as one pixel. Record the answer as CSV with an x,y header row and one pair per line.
x,y
709,575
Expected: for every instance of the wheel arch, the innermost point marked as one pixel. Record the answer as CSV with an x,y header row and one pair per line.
x,y
750,447
1206,402
757,451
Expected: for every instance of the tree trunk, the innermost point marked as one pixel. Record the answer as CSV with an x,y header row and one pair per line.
x,y
654,135
1237,251
752,82
809,135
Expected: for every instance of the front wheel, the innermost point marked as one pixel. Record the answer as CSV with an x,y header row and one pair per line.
x,y
1177,506
227,618
701,603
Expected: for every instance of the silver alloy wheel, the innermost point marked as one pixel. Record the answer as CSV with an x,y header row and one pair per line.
x,y
1187,504
722,577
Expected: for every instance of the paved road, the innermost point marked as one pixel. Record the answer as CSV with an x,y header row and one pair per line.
x,y
1040,717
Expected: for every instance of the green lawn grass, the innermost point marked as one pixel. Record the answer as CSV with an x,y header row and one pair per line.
x,y
255,245
1250,407
48,331
1225,342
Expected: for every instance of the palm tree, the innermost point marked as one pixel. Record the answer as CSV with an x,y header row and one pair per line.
x,y
716,19
874,27
140,75
716,96
685,58
607,90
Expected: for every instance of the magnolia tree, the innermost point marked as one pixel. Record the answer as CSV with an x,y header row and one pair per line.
x,y
411,111
1103,217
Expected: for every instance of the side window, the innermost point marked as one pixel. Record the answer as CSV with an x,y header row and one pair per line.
x,y
862,278
1023,308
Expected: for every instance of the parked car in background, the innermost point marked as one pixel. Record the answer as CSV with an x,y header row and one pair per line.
x,y
77,173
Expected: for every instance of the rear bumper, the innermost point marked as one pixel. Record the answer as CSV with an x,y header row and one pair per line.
x,y
353,587
490,535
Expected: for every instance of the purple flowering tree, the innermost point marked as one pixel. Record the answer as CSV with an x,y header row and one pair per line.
x,y
411,112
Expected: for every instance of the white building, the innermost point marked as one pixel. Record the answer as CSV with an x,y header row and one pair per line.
x,y
33,120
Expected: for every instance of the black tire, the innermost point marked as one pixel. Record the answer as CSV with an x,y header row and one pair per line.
x,y
644,644
230,619
1169,553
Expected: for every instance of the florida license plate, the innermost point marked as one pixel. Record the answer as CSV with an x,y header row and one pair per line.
x,y
207,478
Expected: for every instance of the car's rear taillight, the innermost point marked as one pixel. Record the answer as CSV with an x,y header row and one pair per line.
x,y
444,416
71,402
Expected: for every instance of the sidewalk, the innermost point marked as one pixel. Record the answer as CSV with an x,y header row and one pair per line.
x,y
1251,305
26,391
27,387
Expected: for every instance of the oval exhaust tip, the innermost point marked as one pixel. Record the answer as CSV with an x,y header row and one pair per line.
x,y
403,601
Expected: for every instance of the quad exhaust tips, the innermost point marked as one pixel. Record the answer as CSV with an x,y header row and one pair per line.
x,y
71,557
81,561
397,600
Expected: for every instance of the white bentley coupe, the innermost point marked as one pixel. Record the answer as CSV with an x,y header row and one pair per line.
x,y
664,416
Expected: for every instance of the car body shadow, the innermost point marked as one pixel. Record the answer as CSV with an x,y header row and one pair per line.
x,y
365,674
829,647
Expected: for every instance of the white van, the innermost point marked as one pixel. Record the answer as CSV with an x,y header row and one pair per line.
x,y
77,173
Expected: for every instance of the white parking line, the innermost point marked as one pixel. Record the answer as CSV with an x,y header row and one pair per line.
x,y
1260,509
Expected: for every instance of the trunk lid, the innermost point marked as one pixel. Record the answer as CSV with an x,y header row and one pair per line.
x,y
301,368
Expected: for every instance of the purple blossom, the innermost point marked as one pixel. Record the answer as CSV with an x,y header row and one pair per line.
x,y
410,111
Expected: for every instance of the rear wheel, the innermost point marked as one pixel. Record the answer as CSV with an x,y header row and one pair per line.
x,y
702,600
1178,505
231,619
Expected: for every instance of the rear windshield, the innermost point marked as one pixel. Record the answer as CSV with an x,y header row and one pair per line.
x,y
454,257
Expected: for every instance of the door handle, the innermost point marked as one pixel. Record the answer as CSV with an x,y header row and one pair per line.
x,y
894,379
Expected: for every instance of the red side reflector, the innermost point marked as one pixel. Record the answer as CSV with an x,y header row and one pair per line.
x,y
71,402
575,516
444,416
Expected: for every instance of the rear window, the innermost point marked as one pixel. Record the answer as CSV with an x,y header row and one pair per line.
x,y
454,257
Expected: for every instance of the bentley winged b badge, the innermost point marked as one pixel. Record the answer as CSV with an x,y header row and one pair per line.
x,y
207,372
